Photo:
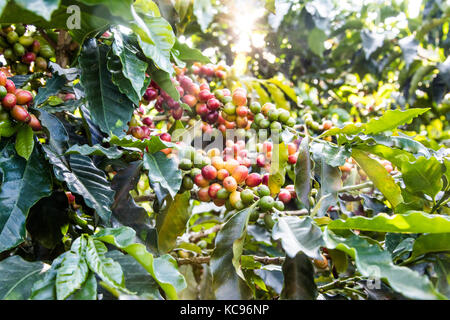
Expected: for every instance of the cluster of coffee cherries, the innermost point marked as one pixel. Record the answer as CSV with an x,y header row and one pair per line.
x,y
229,179
23,52
209,71
15,102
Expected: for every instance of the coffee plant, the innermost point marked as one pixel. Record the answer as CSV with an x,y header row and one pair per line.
x,y
312,165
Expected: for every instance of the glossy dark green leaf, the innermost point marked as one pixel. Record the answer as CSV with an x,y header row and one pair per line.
x,y
110,109
372,261
152,145
298,279
52,87
17,278
117,8
164,175
298,235
228,280
23,183
437,242
163,80
171,221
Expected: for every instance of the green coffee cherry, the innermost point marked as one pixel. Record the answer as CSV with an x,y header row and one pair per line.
x,y
12,37
263,191
266,203
185,164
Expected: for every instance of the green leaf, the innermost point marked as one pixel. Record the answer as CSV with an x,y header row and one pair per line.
x,y
73,271
164,175
52,87
183,52
156,38
110,109
7,128
88,290
409,222
23,183
335,156
171,221
106,268
43,8
270,6
162,269
372,261
380,177
95,150
303,173
298,279
152,145
228,280
205,12
164,81
390,120
137,278
25,142
18,277
316,39
298,235
117,8
437,242
85,179
130,77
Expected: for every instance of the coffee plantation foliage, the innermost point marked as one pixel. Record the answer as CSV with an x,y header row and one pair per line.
x,y
224,150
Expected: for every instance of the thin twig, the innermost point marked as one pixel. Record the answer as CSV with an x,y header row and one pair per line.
x,y
197,236
207,259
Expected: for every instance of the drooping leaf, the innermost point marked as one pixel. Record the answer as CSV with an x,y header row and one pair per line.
x,y
171,221
187,54
137,278
435,242
162,269
52,87
298,235
372,261
95,150
73,271
110,109
25,142
23,183
409,222
227,282
164,175
106,268
17,278
278,166
380,177
298,279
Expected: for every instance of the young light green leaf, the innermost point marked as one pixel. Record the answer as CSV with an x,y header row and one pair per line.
x,y
25,142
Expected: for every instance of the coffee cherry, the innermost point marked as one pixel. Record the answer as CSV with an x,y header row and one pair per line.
x,y
150,94
217,162
36,46
230,184
222,174
200,181
187,183
3,79
3,92
10,86
235,197
327,125
255,108
166,137
190,100
23,97
285,196
240,174
138,133
209,172
40,64
202,109
185,164
321,263
213,104
34,123
177,113
266,203
266,108
205,95
9,101
203,194
239,98
223,194
266,179
292,159
263,191
268,222
284,116
279,205
247,196
213,190
253,180
12,37
20,114
212,117
28,57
